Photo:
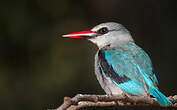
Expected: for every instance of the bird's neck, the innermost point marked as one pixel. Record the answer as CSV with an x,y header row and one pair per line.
x,y
112,47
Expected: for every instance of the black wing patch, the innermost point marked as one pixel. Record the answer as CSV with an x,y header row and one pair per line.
x,y
108,69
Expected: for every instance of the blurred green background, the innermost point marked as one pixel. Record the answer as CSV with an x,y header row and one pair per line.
x,y
38,67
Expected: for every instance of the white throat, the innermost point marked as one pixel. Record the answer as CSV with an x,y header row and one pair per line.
x,y
112,41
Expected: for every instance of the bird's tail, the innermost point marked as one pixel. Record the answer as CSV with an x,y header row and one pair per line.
x,y
162,99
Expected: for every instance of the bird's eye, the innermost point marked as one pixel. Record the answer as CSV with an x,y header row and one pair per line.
x,y
103,30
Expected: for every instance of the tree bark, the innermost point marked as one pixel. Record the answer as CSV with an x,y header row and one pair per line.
x,y
82,101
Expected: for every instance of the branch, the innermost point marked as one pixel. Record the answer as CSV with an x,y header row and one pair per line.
x,y
81,101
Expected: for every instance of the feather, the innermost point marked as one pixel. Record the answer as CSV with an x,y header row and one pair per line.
x,y
130,68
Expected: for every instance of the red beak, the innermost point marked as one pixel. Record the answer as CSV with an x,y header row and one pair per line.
x,y
81,35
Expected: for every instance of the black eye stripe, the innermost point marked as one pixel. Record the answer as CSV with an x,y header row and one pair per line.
x,y
103,30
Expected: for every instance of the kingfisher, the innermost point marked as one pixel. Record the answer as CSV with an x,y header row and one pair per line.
x,y
121,66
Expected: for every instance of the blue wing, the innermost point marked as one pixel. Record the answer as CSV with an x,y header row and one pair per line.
x,y
130,68
120,65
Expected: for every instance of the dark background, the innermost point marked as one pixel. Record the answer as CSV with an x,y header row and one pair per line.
x,y
38,67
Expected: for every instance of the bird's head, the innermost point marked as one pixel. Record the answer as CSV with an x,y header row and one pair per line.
x,y
105,34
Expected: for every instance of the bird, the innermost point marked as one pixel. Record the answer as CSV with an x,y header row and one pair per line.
x,y
121,66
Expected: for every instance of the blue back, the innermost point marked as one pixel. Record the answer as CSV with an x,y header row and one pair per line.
x,y
122,65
